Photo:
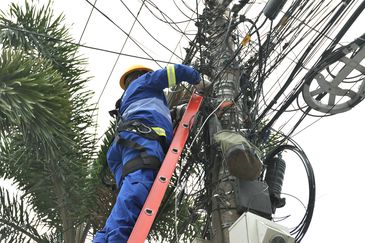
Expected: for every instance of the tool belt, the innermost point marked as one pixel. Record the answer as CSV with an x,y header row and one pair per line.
x,y
143,160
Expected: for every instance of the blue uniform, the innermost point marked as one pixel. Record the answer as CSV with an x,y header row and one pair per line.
x,y
145,101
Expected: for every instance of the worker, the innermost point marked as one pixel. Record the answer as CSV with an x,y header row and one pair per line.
x,y
144,133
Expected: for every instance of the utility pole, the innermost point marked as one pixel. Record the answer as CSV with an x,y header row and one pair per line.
x,y
232,104
225,88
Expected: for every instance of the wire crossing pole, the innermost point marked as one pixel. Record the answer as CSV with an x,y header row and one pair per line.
x,y
224,212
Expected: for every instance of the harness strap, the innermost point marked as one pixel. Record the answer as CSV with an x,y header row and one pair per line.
x,y
153,133
130,143
148,162
142,161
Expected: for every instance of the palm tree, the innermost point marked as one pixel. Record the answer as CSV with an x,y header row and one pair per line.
x,y
46,146
45,122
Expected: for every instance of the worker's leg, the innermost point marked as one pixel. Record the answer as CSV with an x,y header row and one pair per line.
x,y
100,237
133,190
129,203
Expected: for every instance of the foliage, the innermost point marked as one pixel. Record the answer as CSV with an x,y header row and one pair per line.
x,y
18,222
106,193
45,141
24,106
182,211
45,119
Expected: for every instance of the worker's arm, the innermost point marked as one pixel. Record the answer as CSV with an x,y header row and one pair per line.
x,y
171,76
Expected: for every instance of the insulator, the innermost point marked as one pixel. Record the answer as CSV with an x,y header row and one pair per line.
x,y
275,175
273,8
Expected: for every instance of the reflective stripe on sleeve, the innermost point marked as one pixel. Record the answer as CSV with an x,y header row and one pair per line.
x,y
171,75
160,131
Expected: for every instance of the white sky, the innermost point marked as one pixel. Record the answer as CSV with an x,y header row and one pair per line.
x,y
334,144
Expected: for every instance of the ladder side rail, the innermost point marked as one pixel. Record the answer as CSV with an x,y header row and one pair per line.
x,y
159,187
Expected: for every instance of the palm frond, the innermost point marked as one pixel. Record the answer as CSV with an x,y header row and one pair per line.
x,y
102,180
28,101
57,182
18,223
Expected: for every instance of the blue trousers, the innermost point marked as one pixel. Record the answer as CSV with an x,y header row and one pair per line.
x,y
133,191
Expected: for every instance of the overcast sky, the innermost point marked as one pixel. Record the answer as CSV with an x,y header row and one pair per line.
x,y
334,145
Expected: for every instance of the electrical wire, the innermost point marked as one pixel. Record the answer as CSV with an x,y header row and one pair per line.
x,y
112,70
170,23
134,41
329,59
81,45
87,22
181,37
202,126
191,9
182,12
144,28
300,230
294,73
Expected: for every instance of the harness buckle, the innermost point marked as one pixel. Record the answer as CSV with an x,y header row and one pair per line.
x,y
142,128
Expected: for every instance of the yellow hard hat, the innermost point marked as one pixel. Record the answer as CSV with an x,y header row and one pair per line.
x,y
132,69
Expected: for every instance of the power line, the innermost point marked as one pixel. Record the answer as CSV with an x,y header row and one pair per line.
x,y
112,70
136,19
182,35
116,61
181,10
135,42
165,21
84,46
87,22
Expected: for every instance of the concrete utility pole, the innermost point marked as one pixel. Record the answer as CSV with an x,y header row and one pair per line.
x,y
224,212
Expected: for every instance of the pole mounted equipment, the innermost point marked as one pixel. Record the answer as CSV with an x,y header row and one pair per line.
x,y
337,85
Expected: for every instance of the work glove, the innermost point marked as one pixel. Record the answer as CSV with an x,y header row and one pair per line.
x,y
202,86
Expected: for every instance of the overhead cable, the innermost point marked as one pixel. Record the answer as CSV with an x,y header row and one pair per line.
x,y
166,16
116,61
136,19
87,22
134,41
84,46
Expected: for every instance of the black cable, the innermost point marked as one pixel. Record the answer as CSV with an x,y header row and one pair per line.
x,y
345,28
267,73
306,113
116,61
311,27
259,27
166,16
178,8
295,71
328,59
261,77
198,36
136,19
87,22
301,229
81,45
296,109
188,7
259,53
287,33
135,42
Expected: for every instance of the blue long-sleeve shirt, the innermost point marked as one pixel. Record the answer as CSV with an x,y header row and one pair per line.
x,y
144,99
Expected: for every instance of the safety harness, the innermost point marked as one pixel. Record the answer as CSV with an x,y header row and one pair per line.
x,y
143,160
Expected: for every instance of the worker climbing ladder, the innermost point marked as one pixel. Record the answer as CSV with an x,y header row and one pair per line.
x,y
159,187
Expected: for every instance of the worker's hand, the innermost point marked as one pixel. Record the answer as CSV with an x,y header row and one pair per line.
x,y
202,86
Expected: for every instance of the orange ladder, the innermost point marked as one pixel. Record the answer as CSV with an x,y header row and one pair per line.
x,y
159,187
